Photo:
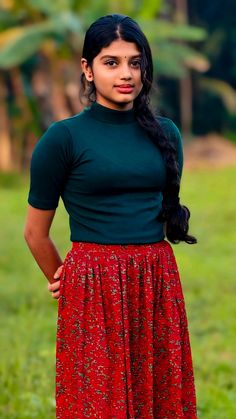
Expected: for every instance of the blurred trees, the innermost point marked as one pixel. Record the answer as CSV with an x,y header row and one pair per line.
x,y
214,94
39,58
40,47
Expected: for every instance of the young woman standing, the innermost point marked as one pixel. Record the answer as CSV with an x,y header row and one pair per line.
x,y
123,347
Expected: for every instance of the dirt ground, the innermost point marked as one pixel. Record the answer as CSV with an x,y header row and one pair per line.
x,y
211,151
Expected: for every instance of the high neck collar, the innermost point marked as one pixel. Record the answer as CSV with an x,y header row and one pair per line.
x,y
112,116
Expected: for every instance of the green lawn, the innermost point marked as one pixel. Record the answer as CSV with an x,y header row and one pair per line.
x,y
28,313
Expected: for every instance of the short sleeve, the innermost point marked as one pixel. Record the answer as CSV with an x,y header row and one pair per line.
x,y
50,165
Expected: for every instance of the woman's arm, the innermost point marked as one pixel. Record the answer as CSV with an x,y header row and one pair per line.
x,y
36,233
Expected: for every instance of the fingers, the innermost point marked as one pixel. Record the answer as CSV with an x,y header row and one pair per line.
x,y
54,288
55,295
58,272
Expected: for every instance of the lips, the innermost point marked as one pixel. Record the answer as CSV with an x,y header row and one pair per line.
x,y
125,88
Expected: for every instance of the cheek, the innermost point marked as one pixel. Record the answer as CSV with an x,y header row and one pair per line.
x,y
139,81
138,77
102,79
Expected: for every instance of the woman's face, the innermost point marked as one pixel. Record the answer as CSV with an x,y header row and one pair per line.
x,y
116,74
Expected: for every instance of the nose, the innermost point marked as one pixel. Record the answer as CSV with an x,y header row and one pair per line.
x,y
126,73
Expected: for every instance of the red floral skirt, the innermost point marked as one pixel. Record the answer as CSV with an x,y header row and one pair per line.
x,y
123,347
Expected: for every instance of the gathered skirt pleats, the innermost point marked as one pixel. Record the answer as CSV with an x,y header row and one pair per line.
x,y
123,348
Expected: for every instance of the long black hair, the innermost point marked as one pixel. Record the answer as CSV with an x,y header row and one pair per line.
x,y
101,34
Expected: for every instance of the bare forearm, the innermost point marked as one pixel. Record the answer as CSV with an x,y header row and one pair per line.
x,y
45,254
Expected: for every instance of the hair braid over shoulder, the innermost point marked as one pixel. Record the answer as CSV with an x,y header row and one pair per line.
x,y
173,213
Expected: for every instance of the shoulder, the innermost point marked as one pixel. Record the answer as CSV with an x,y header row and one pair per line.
x,y
57,132
55,141
75,121
61,132
168,126
61,129
171,131
61,136
173,134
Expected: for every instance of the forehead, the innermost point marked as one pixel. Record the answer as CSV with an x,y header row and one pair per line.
x,y
119,47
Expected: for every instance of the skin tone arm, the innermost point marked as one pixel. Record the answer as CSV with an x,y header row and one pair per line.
x,y
36,233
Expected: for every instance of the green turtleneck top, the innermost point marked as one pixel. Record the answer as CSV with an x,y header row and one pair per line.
x,y
108,172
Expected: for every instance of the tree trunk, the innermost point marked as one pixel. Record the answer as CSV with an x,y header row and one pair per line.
x,y
186,105
185,84
5,140
22,134
58,97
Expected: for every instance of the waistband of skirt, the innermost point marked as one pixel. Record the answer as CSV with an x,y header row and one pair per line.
x,y
109,247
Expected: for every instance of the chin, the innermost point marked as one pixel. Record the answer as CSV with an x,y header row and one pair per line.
x,y
124,100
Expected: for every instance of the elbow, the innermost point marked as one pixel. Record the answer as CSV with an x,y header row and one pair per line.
x,y
31,235
37,226
28,235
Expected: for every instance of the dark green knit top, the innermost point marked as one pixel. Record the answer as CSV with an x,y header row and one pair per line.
x,y
108,172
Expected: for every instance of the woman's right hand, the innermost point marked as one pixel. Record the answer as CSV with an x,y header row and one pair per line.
x,y
54,287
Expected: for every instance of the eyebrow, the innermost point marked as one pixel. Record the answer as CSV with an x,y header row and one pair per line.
x,y
115,57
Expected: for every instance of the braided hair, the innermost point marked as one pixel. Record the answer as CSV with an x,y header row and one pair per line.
x,y
101,34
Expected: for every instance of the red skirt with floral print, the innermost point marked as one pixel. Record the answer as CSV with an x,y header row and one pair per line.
x,y
123,347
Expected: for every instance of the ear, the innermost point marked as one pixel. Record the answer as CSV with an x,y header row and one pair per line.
x,y
87,70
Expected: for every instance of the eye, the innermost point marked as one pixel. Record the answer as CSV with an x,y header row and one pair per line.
x,y
136,64
111,63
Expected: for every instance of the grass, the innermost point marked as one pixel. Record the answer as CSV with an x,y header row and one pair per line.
x,y
28,314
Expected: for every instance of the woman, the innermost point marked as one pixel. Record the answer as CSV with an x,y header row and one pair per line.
x,y
123,347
